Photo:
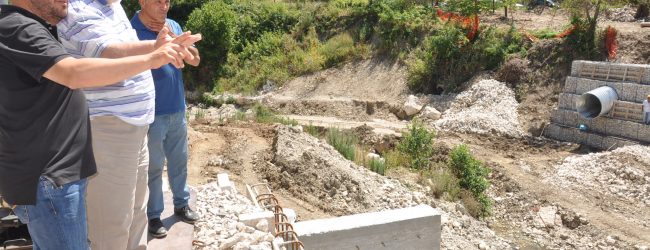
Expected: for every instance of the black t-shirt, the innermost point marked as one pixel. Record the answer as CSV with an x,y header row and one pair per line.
x,y
44,126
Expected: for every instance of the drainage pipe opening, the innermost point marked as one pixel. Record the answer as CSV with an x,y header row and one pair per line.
x,y
596,102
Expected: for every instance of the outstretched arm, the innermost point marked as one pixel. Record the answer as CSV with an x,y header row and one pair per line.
x,y
96,72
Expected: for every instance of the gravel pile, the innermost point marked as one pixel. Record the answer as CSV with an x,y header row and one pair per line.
x,y
623,14
623,173
219,227
487,107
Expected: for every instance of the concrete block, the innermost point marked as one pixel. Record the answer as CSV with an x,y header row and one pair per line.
x,y
613,127
618,86
407,228
570,85
610,143
571,118
628,92
224,183
585,85
631,130
645,79
557,116
594,140
580,137
251,219
644,133
642,93
599,125
552,131
576,67
568,134
567,101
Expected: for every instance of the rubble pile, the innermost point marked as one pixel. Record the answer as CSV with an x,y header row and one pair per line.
x,y
487,107
315,172
219,226
623,173
622,14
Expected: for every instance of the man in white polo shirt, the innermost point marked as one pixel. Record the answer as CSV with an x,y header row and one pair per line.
x,y
120,116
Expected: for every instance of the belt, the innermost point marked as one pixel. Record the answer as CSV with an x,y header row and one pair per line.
x,y
3,203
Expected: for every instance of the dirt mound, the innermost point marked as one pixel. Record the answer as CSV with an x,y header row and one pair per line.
x,y
317,173
623,173
374,79
487,107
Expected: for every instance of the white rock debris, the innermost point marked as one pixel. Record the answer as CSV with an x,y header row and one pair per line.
x,y
622,173
487,107
219,227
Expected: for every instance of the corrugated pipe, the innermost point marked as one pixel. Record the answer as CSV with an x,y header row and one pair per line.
x,y
596,102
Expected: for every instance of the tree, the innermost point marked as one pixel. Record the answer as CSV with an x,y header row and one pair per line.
x,y
589,11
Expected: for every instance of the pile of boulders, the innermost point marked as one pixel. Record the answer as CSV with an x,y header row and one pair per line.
x,y
487,107
412,108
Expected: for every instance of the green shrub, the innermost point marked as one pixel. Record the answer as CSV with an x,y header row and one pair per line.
x,y
545,33
448,58
401,25
417,144
255,18
378,166
472,175
343,142
338,49
215,20
274,58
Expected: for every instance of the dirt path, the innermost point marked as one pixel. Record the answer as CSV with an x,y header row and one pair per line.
x,y
380,127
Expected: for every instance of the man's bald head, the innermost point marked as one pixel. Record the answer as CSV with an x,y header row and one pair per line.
x,y
52,11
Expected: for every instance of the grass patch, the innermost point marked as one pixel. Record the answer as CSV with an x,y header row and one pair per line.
x,y
312,130
263,114
343,142
378,166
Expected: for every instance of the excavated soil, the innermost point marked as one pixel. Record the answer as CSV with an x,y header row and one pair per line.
x,y
548,194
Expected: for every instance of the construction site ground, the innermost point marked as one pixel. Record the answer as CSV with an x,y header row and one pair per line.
x,y
523,168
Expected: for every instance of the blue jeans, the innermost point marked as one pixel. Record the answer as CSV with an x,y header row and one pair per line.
x,y
167,140
58,220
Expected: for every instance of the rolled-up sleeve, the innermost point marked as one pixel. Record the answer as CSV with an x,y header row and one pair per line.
x,y
87,32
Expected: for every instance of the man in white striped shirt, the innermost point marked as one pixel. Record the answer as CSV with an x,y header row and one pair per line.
x,y
120,115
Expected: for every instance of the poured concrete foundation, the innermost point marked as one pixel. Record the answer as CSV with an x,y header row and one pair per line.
x,y
408,228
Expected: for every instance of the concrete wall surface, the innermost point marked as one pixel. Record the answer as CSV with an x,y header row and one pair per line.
x,y
407,228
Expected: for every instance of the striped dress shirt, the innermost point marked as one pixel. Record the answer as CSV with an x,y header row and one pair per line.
x,y
90,27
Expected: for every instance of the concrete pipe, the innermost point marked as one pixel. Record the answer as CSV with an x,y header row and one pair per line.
x,y
596,102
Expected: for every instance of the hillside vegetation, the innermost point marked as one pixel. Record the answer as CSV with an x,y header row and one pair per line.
x,y
248,44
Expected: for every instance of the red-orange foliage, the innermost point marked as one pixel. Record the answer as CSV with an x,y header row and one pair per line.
x,y
611,44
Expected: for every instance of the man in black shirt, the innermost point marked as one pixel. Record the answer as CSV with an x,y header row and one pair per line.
x,y
45,144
